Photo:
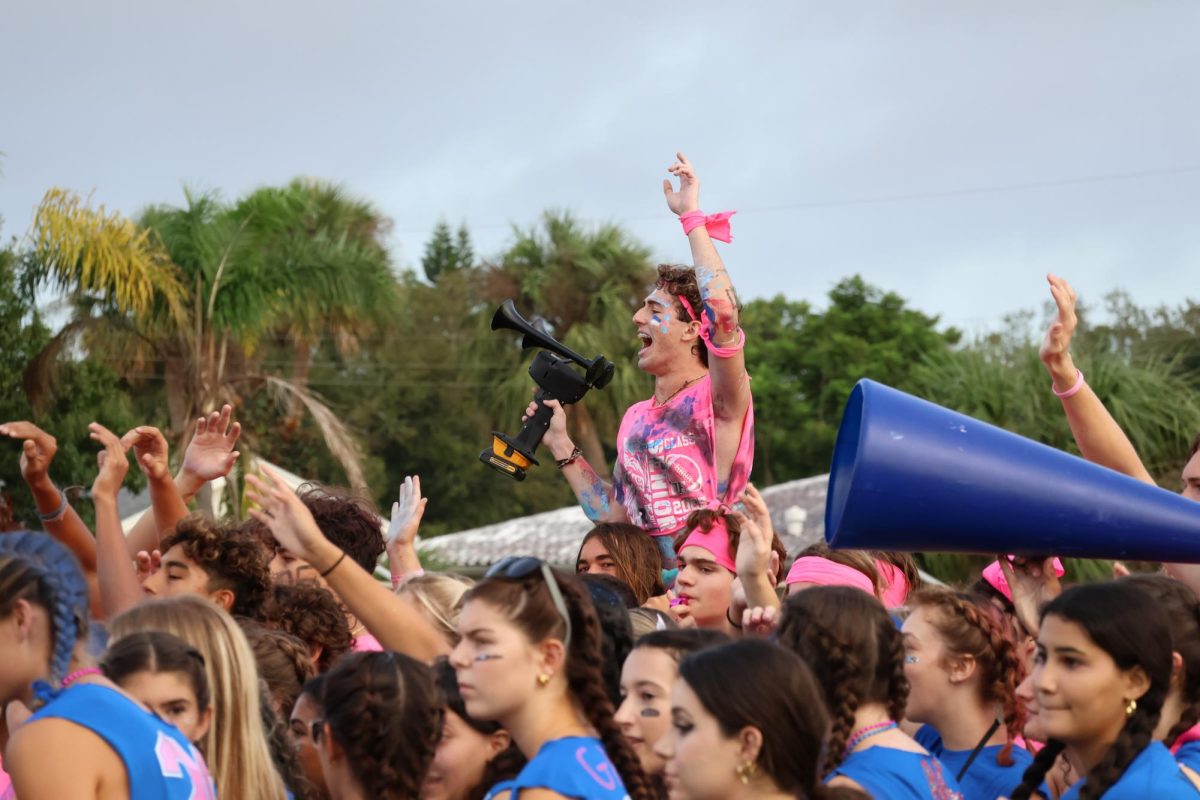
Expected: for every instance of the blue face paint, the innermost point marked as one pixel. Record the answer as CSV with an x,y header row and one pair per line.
x,y
661,321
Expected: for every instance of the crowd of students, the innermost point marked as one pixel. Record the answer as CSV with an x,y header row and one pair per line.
x,y
689,656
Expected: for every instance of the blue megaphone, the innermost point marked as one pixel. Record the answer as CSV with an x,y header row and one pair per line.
x,y
909,475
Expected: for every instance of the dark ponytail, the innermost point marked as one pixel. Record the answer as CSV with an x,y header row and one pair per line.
x,y
855,652
1126,623
386,713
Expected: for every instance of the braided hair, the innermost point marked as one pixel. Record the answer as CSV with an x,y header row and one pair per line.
x,y
1183,614
36,568
385,711
975,628
526,602
284,663
1126,623
854,651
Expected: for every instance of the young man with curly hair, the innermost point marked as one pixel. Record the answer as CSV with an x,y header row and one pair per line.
x,y
221,562
691,445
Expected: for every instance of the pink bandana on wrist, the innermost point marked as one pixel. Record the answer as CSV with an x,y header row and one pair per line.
x,y
823,572
717,224
715,541
896,586
994,575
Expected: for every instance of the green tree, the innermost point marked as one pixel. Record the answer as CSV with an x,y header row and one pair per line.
x,y
804,364
220,301
86,391
445,251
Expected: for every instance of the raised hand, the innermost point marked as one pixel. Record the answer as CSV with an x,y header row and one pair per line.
x,y
210,454
37,450
1057,342
112,460
406,515
687,198
760,621
1033,584
150,448
288,519
148,563
753,557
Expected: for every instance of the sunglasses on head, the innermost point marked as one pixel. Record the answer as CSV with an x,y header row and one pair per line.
x,y
520,567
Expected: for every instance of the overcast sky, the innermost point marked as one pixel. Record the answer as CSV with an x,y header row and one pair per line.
x,y
952,151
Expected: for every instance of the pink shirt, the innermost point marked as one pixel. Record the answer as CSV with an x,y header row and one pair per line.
x,y
667,460
366,643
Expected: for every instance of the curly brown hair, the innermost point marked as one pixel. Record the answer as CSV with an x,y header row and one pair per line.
x,y
348,519
385,711
971,626
313,615
231,558
679,281
855,652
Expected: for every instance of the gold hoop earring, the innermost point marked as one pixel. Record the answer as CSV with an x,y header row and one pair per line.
x,y
543,679
745,771
1130,707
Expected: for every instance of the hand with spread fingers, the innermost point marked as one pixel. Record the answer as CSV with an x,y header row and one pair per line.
x,y
211,454
288,519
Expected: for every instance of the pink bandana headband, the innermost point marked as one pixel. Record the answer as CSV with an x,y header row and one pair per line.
x,y
994,575
823,572
715,541
896,586
717,224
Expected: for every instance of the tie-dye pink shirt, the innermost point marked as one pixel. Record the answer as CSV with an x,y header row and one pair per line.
x,y
667,460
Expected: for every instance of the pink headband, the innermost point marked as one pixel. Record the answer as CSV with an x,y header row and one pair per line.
x,y
994,575
896,586
715,542
823,572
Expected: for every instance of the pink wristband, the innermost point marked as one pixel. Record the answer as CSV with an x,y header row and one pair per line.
x,y
1074,390
717,224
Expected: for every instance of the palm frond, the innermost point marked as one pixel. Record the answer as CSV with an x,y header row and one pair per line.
x,y
341,443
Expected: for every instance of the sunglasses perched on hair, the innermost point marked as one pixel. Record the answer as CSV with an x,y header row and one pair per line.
x,y
520,567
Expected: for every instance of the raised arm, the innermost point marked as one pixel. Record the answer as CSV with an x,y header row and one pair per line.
x,y
594,494
395,623
150,447
403,561
721,317
119,587
210,455
1099,437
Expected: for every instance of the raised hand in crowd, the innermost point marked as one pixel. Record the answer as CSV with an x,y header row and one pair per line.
x,y
394,622
687,197
1033,582
119,587
757,561
58,518
407,512
152,455
209,455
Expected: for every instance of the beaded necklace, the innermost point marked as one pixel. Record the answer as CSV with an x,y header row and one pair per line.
x,y
862,734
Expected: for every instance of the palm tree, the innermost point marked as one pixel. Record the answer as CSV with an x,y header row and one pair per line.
x,y
203,296
583,286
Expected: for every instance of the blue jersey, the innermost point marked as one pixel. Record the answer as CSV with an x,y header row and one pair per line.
x,y
1188,754
1154,773
160,762
890,774
984,779
575,766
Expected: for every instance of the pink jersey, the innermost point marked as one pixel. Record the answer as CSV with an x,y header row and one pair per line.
x,y
667,460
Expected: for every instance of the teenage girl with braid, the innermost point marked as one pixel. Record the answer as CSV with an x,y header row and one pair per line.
x,y
529,659
1101,674
731,740
856,654
1178,728
382,720
117,748
963,669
